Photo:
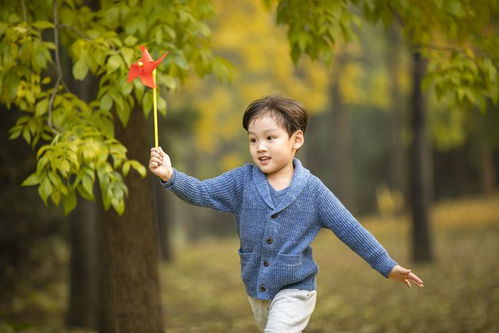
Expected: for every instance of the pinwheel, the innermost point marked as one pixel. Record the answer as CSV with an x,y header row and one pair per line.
x,y
145,69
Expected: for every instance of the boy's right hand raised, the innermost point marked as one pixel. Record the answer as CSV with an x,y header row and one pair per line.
x,y
160,164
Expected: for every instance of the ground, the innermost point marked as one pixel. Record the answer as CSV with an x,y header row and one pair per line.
x,y
202,290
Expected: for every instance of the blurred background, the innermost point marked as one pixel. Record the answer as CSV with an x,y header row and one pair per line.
x,y
359,142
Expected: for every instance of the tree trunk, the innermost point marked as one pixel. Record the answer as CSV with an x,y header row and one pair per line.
x,y
163,208
459,163
130,283
397,163
420,171
84,235
488,169
84,265
342,141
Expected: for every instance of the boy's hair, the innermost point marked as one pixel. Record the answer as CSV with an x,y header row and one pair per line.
x,y
288,113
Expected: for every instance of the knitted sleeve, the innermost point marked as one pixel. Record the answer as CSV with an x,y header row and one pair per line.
x,y
334,216
221,193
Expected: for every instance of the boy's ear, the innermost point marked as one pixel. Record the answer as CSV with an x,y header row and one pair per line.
x,y
299,139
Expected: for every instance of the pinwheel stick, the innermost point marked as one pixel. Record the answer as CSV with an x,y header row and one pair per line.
x,y
155,109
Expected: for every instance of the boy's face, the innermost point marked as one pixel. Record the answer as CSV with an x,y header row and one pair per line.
x,y
271,147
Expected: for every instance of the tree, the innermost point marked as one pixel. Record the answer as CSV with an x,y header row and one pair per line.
x,y
75,141
420,170
458,38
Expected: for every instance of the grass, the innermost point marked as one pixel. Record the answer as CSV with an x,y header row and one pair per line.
x,y
202,291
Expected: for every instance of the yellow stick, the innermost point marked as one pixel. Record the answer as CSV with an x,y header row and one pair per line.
x,y
155,106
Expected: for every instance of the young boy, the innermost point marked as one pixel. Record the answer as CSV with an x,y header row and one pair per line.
x,y
279,208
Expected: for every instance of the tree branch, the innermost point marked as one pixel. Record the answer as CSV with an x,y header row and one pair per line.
x,y
25,13
58,69
57,46
51,105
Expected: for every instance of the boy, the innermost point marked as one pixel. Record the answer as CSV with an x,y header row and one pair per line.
x,y
279,208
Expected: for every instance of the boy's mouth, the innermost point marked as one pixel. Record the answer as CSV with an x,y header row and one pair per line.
x,y
264,159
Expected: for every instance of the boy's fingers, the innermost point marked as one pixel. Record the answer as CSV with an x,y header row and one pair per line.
x,y
155,162
414,278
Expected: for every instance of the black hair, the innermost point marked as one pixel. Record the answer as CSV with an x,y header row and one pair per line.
x,y
288,113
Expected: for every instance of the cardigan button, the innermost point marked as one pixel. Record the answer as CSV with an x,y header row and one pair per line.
x,y
263,288
273,215
266,263
269,241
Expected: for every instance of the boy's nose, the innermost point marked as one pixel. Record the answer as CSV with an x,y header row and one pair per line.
x,y
261,148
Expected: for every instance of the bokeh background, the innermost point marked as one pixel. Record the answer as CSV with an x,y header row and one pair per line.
x,y
55,271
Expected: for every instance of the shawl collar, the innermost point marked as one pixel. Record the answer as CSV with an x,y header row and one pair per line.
x,y
298,182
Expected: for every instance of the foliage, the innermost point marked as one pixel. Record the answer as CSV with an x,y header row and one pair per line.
x,y
332,21
74,139
458,37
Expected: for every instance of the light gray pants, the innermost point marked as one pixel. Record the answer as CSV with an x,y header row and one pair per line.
x,y
288,312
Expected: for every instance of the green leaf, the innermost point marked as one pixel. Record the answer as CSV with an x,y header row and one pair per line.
x,y
43,25
64,167
56,197
10,85
123,114
26,134
88,184
80,69
31,180
42,107
106,102
113,62
162,105
15,132
168,81
130,40
45,189
139,168
106,198
181,62
119,206
147,103
69,202
126,168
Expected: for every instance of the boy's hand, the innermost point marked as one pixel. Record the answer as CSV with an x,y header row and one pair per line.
x,y
405,276
160,164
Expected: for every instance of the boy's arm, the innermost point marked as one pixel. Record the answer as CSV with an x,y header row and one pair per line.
x,y
221,193
334,216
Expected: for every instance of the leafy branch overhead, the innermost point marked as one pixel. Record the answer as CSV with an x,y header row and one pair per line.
x,y
74,139
44,44
459,39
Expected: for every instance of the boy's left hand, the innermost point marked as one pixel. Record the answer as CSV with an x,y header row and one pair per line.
x,y
405,276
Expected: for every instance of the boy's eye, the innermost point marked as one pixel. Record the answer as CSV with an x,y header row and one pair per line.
x,y
252,140
270,138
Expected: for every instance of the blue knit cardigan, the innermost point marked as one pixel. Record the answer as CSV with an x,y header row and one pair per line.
x,y
275,242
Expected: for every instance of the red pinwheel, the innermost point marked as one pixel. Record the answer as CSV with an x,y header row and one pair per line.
x,y
144,68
